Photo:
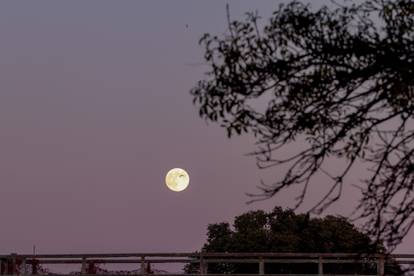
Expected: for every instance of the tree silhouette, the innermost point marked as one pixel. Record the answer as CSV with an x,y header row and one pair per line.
x,y
284,231
338,84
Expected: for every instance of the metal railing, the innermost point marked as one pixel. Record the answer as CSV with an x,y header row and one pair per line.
x,y
22,264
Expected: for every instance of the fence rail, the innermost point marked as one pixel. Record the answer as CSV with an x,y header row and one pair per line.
x,y
28,264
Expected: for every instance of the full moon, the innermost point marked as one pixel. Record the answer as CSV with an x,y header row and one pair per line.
x,y
177,179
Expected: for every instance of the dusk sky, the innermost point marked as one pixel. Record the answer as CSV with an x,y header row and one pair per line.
x,y
95,109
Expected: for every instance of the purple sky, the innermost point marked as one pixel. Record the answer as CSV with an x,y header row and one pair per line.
x,y
95,109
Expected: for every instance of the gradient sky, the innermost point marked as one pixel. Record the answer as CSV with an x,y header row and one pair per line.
x,y
95,109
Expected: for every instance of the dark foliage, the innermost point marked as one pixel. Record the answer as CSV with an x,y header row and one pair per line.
x,y
338,84
284,231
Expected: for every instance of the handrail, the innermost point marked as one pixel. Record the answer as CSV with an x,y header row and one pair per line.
x,y
207,254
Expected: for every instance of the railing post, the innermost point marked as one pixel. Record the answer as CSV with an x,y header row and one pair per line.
x,y
320,266
34,266
203,265
83,268
380,265
143,265
13,263
24,268
261,266
91,268
5,264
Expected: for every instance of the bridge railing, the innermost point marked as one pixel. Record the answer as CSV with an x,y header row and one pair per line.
x,y
26,264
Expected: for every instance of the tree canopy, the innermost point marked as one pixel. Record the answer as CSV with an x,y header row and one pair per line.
x,y
338,84
284,231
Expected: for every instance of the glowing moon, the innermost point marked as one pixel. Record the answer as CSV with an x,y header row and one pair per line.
x,y
177,179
